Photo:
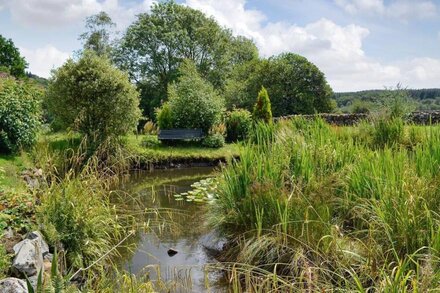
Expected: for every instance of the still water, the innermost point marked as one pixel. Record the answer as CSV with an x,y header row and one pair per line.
x,y
176,226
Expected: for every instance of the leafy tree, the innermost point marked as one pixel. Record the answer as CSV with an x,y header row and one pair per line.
x,y
155,45
93,97
193,101
97,36
295,85
262,108
19,114
10,58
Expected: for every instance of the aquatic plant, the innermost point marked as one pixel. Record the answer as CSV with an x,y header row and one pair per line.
x,y
313,204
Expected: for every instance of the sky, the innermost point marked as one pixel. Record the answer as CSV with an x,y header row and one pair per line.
x,y
358,44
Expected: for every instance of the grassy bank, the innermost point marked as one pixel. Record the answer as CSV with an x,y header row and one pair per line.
x,y
148,150
314,207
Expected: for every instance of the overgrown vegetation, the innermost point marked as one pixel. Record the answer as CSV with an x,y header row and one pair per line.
x,y
19,114
323,208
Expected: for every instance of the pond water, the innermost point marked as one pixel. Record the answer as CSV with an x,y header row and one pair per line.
x,y
175,224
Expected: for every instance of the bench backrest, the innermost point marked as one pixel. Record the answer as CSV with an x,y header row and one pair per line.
x,y
180,133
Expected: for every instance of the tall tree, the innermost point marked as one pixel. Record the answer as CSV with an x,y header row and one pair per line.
x,y
155,45
10,58
97,35
295,85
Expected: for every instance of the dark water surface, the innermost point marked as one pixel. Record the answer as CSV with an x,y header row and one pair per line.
x,y
177,225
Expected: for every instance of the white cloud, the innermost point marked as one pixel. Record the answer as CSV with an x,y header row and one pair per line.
x,y
401,9
43,60
47,13
336,50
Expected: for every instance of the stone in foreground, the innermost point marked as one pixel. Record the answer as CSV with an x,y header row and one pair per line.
x,y
13,285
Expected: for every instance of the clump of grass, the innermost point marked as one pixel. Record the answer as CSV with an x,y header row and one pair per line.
x,y
5,261
333,208
76,214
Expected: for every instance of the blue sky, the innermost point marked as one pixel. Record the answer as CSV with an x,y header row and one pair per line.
x,y
358,44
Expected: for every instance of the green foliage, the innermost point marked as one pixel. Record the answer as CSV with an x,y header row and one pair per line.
x,y
295,85
77,213
361,107
19,114
397,103
10,58
193,101
423,99
100,99
97,36
262,108
5,262
165,117
202,191
156,44
238,125
388,132
312,197
215,140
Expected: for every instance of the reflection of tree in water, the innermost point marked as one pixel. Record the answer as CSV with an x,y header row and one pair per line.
x,y
172,224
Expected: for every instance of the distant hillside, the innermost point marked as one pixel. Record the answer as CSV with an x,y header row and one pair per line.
x,y
40,80
424,99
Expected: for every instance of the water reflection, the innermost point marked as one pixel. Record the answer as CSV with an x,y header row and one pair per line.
x,y
178,226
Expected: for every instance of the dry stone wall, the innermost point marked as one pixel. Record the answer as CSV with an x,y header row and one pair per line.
x,y
419,117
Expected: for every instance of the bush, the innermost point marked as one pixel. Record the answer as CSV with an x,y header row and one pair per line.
x,y
100,99
262,108
164,117
19,114
388,132
193,101
238,125
215,140
150,128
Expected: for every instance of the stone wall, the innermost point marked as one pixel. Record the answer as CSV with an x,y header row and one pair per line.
x,y
419,117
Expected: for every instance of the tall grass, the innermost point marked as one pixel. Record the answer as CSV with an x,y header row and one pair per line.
x,y
335,208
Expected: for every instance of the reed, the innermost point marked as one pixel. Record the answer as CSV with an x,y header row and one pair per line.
x,y
335,208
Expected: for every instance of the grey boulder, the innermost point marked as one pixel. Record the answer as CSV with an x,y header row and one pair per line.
x,y
13,285
29,254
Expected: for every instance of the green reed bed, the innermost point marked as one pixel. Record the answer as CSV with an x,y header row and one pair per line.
x,y
345,208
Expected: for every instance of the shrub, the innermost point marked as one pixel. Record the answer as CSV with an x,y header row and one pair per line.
x,y
218,128
215,140
100,99
388,132
193,101
238,125
164,117
361,107
19,114
150,128
262,108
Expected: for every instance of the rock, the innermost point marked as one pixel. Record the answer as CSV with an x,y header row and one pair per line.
x,y
29,253
13,285
48,256
172,252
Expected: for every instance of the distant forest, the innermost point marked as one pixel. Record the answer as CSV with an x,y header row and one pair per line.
x,y
365,101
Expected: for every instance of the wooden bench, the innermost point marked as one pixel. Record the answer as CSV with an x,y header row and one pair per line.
x,y
180,134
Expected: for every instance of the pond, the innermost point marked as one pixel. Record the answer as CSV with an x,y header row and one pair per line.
x,y
176,226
